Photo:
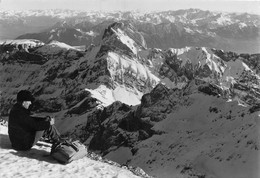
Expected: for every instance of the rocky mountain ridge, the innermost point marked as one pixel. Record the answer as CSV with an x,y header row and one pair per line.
x,y
123,63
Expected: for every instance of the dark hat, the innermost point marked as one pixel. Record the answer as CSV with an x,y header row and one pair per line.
x,y
25,95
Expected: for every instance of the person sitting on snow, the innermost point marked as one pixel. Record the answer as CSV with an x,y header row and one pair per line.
x,y
25,130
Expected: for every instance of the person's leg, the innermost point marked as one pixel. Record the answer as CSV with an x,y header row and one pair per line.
x,y
51,134
38,136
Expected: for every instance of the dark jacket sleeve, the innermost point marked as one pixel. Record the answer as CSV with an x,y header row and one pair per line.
x,y
38,118
36,124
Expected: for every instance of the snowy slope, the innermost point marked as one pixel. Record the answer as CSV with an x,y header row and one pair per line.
x,y
126,40
120,93
38,163
28,42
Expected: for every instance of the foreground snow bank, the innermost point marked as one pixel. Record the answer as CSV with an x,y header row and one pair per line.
x,y
38,163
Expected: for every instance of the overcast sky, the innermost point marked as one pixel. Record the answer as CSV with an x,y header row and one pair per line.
x,y
252,6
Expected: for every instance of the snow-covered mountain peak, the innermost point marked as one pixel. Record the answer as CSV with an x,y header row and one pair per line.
x,y
173,67
124,36
224,19
60,45
62,24
198,57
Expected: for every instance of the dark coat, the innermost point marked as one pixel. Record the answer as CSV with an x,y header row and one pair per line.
x,y
22,127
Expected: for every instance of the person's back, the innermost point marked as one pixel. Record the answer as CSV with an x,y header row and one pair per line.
x,y
20,135
22,128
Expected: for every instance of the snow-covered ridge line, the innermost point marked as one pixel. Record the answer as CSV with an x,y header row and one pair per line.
x,y
29,42
58,44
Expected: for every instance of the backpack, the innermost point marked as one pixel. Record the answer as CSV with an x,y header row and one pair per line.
x,y
67,152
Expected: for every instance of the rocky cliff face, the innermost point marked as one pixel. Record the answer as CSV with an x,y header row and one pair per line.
x,y
182,65
73,82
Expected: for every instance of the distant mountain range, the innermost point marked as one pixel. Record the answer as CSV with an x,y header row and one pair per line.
x,y
169,29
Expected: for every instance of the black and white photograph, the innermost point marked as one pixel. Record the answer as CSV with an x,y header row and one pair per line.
x,y
130,88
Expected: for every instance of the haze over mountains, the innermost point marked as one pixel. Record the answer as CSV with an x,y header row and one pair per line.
x,y
238,32
175,111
